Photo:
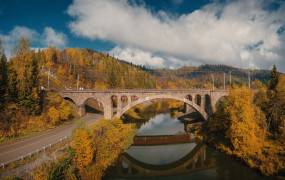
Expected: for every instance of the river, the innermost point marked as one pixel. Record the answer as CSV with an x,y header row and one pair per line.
x,y
189,160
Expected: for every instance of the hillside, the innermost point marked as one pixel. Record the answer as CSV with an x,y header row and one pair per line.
x,y
98,71
101,71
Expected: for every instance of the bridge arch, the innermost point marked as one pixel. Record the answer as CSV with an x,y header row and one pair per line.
x,y
94,105
69,100
163,96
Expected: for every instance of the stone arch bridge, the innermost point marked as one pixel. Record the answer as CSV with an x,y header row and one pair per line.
x,y
116,102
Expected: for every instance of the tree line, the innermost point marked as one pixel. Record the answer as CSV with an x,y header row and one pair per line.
x,y
23,106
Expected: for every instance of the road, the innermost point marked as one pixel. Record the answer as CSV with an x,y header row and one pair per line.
x,y
12,151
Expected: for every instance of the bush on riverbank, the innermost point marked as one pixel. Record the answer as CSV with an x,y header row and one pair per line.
x,y
237,128
111,138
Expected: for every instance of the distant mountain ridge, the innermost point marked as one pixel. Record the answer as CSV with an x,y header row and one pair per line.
x,y
189,72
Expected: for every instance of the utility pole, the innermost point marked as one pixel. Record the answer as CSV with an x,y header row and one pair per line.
x,y
230,78
77,82
213,81
48,77
224,80
249,79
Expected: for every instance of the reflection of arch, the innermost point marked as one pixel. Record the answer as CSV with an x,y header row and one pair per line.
x,y
195,160
183,160
164,96
93,105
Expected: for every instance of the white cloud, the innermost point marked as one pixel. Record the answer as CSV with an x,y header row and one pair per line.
x,y
48,37
137,56
10,39
239,33
149,59
53,38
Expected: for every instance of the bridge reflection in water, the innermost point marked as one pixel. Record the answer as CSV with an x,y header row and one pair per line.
x,y
194,161
162,140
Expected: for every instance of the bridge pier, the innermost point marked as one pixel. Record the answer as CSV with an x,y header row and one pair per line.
x,y
119,106
187,108
108,108
81,110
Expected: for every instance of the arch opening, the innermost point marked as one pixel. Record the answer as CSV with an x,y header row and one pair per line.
x,y
150,99
124,100
93,106
198,99
189,97
114,100
134,98
208,106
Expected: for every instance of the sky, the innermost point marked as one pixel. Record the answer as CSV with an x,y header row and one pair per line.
x,y
155,33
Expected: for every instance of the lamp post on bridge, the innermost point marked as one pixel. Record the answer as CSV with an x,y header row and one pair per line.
x,y
249,79
213,81
224,80
230,78
77,84
48,77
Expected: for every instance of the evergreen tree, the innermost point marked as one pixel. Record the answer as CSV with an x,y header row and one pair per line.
x,y
3,76
274,112
273,79
22,47
12,85
35,72
25,69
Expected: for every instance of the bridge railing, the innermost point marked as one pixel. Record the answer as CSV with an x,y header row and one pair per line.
x,y
142,90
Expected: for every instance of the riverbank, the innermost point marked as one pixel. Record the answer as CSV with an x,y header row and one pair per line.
x,y
238,128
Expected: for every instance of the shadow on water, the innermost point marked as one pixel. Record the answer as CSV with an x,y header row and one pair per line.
x,y
190,160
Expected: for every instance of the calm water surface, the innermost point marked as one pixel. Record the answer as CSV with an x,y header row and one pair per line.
x,y
176,161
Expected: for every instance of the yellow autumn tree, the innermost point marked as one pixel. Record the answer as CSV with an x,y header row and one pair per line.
x,y
54,115
65,110
111,138
243,132
83,146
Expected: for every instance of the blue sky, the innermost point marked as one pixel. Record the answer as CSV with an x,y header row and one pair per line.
x,y
37,14
168,33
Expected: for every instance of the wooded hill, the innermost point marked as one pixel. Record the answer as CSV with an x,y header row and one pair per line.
x,y
97,70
